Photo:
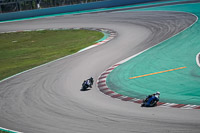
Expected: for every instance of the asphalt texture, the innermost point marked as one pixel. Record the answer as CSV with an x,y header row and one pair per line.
x,y
48,99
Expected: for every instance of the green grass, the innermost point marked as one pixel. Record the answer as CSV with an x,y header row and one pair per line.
x,y
24,50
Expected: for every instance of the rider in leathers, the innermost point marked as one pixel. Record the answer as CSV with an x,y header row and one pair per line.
x,y
152,99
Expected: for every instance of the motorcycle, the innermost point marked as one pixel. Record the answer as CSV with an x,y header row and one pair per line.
x,y
86,84
153,103
84,87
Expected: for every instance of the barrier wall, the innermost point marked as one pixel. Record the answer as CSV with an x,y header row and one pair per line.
x,y
68,8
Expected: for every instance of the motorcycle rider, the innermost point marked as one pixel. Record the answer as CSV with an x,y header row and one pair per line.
x,y
90,82
152,100
87,83
157,94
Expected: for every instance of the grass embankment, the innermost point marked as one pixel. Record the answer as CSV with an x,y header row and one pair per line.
x,y
24,50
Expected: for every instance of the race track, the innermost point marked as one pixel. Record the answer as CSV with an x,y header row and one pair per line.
x,y
48,99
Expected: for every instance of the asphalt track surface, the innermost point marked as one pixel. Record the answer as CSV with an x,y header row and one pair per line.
x,y
48,99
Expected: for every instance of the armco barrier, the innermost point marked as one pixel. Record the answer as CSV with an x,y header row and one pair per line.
x,y
68,8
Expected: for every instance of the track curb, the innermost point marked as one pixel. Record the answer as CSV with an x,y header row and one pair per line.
x,y
101,84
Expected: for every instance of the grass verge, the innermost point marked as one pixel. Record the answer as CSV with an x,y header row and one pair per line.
x,y
20,51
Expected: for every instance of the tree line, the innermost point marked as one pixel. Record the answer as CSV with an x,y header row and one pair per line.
x,y
21,5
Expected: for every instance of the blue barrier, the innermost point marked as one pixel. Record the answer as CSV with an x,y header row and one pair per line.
x,y
68,8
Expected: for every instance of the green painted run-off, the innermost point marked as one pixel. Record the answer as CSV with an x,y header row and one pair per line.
x,y
180,86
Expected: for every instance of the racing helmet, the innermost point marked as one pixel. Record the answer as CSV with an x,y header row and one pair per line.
x,y
157,93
